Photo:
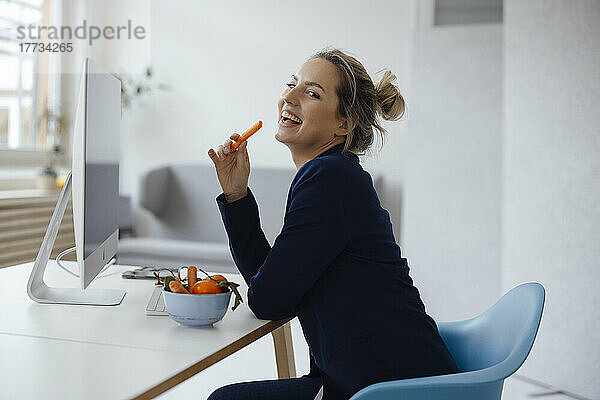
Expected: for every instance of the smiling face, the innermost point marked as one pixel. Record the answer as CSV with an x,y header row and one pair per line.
x,y
308,117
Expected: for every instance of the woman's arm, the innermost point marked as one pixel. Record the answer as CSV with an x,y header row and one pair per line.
x,y
313,235
238,207
247,242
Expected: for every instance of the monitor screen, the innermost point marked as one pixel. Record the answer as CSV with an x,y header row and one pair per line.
x,y
102,132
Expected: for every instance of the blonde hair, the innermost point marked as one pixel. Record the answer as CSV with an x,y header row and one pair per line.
x,y
362,101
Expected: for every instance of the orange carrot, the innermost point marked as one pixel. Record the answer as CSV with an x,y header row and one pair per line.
x,y
192,277
177,287
245,135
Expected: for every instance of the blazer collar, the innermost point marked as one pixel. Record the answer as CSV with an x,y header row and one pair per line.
x,y
335,149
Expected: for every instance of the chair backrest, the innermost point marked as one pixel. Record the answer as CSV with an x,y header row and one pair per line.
x,y
500,338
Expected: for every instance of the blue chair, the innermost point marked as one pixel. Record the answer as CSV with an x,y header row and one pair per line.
x,y
487,349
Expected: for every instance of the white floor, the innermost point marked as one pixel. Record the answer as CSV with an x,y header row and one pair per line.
x,y
257,362
516,388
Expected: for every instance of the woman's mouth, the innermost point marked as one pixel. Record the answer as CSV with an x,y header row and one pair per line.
x,y
289,120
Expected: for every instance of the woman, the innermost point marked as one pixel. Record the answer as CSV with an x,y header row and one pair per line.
x,y
335,264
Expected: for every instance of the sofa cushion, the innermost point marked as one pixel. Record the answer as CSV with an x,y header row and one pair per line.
x,y
154,190
181,201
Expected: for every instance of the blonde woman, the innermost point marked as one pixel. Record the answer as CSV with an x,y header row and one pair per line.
x,y
335,265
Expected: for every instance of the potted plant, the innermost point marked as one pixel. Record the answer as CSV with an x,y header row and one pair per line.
x,y
57,127
132,89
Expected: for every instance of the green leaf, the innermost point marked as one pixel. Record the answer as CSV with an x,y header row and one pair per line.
x,y
168,280
238,297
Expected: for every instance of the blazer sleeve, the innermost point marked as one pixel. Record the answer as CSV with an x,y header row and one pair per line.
x,y
247,242
313,235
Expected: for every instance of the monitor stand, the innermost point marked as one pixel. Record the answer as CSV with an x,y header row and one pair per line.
x,y
42,293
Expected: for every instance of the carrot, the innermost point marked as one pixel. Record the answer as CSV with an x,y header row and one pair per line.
x,y
192,277
233,146
177,287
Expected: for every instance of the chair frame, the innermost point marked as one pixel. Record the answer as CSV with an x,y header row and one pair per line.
x,y
485,383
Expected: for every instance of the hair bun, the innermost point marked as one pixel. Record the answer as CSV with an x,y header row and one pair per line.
x,y
390,103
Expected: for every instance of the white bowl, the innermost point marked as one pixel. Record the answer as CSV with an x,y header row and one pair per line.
x,y
196,309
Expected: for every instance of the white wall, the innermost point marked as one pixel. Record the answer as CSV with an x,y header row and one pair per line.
x,y
451,230
116,56
551,221
227,64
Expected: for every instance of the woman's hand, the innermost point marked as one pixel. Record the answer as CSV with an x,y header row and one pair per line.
x,y
233,168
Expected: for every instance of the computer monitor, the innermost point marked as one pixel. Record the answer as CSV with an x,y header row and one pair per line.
x,y
95,191
95,170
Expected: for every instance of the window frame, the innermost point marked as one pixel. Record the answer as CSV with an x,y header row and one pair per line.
x,y
40,96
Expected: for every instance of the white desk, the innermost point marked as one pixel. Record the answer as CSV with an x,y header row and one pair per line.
x,y
75,352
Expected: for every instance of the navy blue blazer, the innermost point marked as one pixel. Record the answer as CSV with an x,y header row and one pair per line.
x,y
337,267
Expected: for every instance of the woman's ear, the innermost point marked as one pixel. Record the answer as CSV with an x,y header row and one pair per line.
x,y
345,126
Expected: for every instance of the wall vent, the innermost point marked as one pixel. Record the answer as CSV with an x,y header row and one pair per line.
x,y
451,12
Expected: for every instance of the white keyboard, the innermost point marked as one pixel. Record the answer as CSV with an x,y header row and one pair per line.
x,y
156,304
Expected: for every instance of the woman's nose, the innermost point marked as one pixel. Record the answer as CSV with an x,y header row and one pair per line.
x,y
290,96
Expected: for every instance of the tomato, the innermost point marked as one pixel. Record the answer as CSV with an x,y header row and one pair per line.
x,y
206,287
216,278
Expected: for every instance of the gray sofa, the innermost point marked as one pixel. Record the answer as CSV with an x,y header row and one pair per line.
x,y
179,223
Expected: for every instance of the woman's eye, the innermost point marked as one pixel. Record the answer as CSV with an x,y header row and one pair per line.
x,y
290,85
314,94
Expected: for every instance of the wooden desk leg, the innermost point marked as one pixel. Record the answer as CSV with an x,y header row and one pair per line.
x,y
284,351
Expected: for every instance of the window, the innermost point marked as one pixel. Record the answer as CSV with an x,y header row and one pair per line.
x,y
23,78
